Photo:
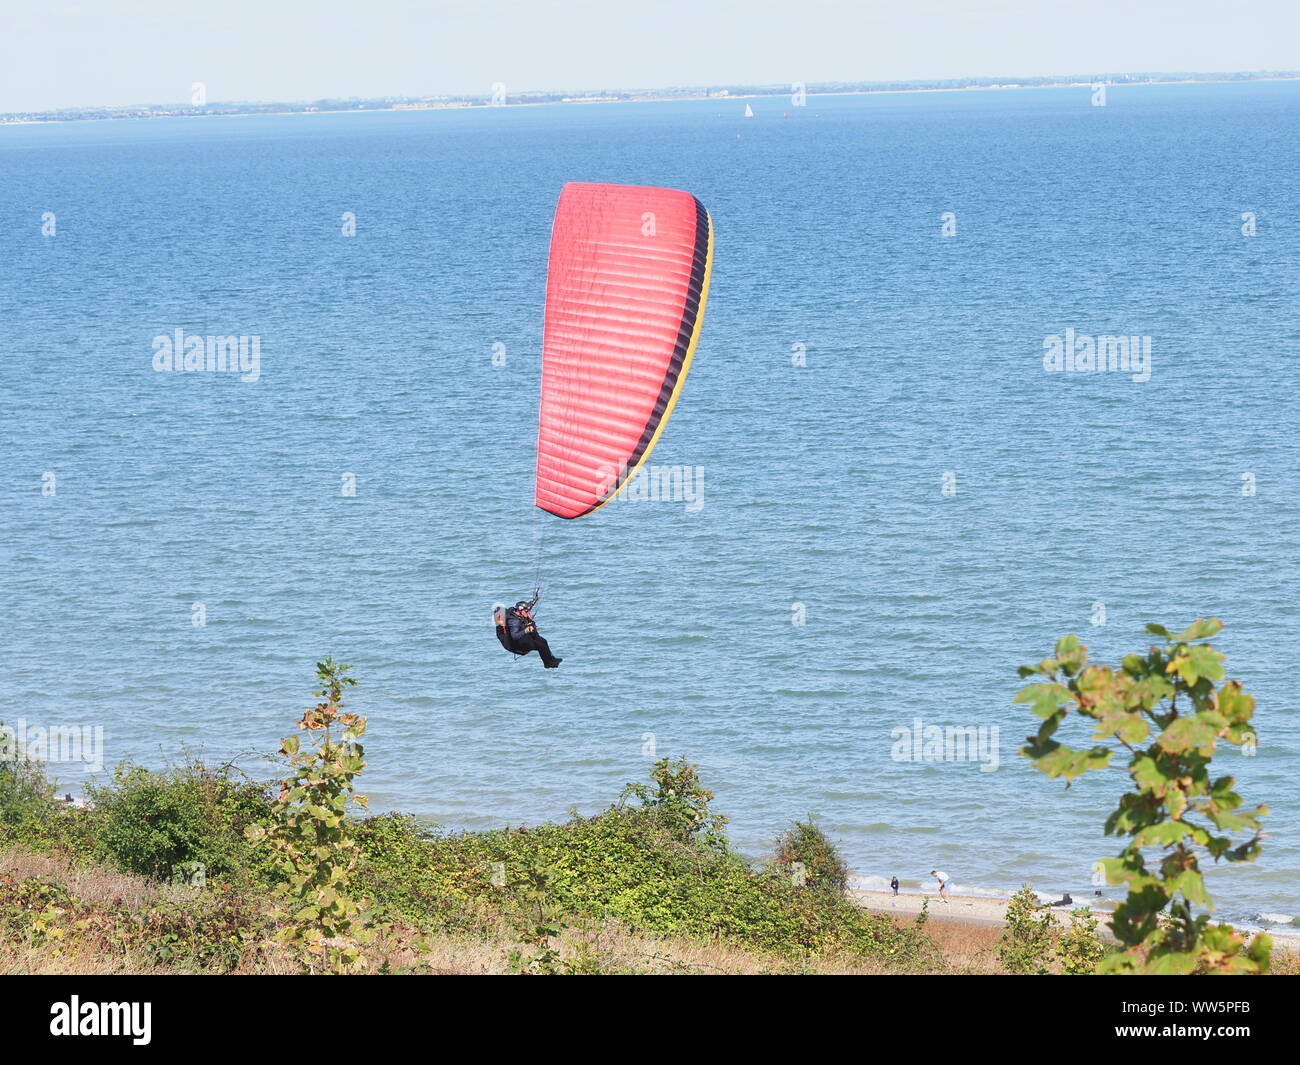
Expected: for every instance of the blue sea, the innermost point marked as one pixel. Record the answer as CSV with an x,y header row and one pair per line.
x,y
900,503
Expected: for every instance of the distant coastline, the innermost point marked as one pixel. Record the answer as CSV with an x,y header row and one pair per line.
x,y
538,98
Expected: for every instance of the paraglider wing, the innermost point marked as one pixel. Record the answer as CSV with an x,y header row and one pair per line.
x,y
625,295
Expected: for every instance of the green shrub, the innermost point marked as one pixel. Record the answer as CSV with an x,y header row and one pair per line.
x,y
64,830
25,794
1026,945
176,823
213,931
624,864
1079,949
680,802
807,857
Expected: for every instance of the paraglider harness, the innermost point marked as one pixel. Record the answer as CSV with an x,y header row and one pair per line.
x,y
501,616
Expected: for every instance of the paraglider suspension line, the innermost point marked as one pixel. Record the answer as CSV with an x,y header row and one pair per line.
x,y
537,552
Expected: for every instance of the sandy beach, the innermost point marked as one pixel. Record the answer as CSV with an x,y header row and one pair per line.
x,y
971,909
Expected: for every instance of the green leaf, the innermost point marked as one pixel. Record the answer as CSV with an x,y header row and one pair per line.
x,y
1148,775
1233,703
1184,667
1068,763
1067,645
1172,963
1200,629
1150,690
1192,886
1116,870
1188,734
1164,834
1094,678
1176,804
1207,662
1230,822
1046,698
1115,718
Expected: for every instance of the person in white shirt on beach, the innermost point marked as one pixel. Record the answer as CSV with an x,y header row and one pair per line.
x,y
943,883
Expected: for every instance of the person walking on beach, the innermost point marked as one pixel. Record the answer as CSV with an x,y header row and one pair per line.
x,y
943,883
893,884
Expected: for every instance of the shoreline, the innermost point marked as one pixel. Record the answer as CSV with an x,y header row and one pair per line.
x,y
8,119
983,910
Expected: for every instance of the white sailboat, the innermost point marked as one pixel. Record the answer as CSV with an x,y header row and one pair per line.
x,y
749,111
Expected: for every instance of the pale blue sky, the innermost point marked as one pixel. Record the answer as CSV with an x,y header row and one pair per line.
x,y
94,52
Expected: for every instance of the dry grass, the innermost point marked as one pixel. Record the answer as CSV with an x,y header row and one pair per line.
x,y
17,959
965,947
617,952
90,883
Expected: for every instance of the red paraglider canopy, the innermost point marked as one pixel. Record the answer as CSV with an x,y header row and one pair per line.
x,y
625,295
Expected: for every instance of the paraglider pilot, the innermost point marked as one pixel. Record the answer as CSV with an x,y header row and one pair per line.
x,y
523,633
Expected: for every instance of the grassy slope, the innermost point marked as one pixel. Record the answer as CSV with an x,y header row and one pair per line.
x,y
114,904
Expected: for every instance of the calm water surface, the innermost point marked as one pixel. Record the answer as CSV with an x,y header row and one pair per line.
x,y
824,483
